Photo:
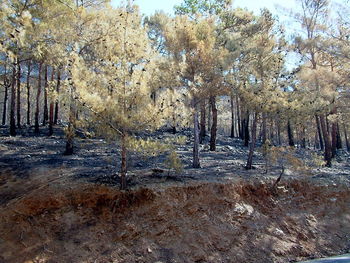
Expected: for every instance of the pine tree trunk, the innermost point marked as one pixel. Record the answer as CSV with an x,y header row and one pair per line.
x,y
264,128
272,133
6,86
209,117
334,139
252,143
37,110
339,141
70,141
327,142
46,114
28,93
279,141
232,135
319,130
303,137
240,132
214,126
51,108
70,134
316,140
196,163
246,130
13,103
18,94
58,91
202,132
290,134
346,138
123,169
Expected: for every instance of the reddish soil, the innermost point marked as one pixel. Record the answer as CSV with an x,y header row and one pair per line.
x,y
71,221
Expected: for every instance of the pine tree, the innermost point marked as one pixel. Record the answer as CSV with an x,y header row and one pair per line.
x,y
114,87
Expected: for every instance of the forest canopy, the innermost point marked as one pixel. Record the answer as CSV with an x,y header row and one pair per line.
x,y
118,74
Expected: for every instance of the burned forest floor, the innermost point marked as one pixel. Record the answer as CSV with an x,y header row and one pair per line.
x,y
57,208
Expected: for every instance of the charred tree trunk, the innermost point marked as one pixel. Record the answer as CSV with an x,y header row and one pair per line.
x,y
264,128
303,137
245,125
196,163
209,117
339,141
214,125
346,138
70,133
13,103
232,135
57,91
18,94
240,132
334,139
203,131
319,131
123,169
272,130
290,134
28,93
37,109
46,112
279,141
6,86
327,142
51,108
252,143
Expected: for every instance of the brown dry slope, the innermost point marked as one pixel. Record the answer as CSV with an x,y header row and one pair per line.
x,y
201,222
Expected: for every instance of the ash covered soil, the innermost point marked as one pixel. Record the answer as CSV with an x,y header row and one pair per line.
x,y
56,208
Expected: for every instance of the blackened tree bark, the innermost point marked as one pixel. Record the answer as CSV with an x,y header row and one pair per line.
x,y
232,135
334,139
6,87
319,131
28,92
203,131
70,133
13,103
264,127
303,137
245,125
209,117
57,101
37,109
18,93
327,141
346,138
272,130
339,141
46,114
214,126
279,141
240,132
252,143
290,134
196,163
51,108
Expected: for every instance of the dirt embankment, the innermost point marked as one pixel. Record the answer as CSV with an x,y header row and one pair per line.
x,y
207,222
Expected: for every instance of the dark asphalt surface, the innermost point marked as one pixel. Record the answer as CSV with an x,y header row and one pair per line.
x,y
338,259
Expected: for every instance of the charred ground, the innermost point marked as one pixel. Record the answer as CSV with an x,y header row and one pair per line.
x,y
57,208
